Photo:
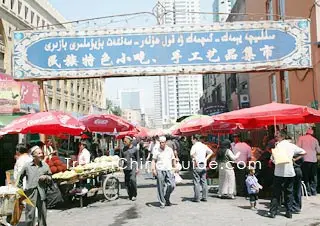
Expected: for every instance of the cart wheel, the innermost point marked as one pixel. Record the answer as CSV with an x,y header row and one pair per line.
x,y
111,188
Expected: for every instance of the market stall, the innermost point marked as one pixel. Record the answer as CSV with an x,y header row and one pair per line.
x,y
100,175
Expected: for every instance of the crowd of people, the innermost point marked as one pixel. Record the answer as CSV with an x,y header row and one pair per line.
x,y
283,166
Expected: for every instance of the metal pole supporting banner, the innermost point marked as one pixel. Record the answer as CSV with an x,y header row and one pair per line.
x,y
42,106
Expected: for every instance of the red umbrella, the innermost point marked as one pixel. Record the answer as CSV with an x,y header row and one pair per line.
x,y
48,123
193,125
270,114
139,131
106,123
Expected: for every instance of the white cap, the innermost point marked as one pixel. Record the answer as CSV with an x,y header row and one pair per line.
x,y
33,149
162,139
310,131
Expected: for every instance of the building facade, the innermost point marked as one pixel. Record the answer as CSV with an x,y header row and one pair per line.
x,y
181,11
295,87
132,116
66,95
221,9
223,92
130,99
177,96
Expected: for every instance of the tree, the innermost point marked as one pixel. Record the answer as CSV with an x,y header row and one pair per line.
x,y
116,110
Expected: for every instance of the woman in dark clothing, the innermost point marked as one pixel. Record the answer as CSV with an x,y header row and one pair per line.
x,y
265,173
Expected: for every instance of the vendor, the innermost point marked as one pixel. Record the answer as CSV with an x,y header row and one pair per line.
x,y
84,154
48,150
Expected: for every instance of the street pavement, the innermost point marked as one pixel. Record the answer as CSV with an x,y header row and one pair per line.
x,y
145,210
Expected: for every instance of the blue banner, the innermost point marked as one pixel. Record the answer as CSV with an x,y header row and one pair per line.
x,y
223,47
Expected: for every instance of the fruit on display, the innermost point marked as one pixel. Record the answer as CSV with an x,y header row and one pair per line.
x,y
56,165
79,169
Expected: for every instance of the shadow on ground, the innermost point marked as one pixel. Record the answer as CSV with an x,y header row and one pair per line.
x,y
123,217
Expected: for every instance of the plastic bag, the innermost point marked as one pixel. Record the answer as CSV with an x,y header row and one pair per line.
x,y
54,196
178,179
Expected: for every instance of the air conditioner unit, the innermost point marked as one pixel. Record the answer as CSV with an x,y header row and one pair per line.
x,y
244,98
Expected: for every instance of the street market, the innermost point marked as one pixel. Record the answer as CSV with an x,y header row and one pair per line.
x,y
162,114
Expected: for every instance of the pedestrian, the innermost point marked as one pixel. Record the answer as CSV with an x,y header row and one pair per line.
x,y
163,163
241,164
23,157
227,180
253,188
130,155
38,176
284,174
297,189
310,165
200,154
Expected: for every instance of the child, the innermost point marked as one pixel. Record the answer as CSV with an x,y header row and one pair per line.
x,y
253,188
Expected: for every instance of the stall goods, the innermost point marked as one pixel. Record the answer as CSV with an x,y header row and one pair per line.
x,y
65,175
56,165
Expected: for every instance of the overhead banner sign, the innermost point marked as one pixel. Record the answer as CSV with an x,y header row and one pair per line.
x,y
218,48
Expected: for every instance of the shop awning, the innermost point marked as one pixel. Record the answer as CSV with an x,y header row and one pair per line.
x,y
6,119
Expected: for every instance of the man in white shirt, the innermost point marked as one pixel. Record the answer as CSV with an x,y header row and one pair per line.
x,y
22,159
200,154
84,154
244,151
284,175
163,162
309,166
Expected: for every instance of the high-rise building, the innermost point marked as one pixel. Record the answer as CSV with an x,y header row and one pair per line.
x,y
221,9
130,99
181,11
176,96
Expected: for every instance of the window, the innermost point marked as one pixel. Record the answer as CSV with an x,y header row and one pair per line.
x,y
12,4
32,17
19,7
38,21
282,8
50,103
43,23
273,88
286,87
26,12
269,7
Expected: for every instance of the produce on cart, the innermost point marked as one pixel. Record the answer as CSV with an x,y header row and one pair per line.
x,y
90,178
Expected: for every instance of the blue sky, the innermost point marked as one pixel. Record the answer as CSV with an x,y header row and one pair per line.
x,y
84,9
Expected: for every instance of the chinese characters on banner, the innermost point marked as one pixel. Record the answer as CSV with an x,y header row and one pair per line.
x,y
231,47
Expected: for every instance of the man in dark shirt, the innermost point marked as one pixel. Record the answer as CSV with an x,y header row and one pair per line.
x,y
130,166
38,175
